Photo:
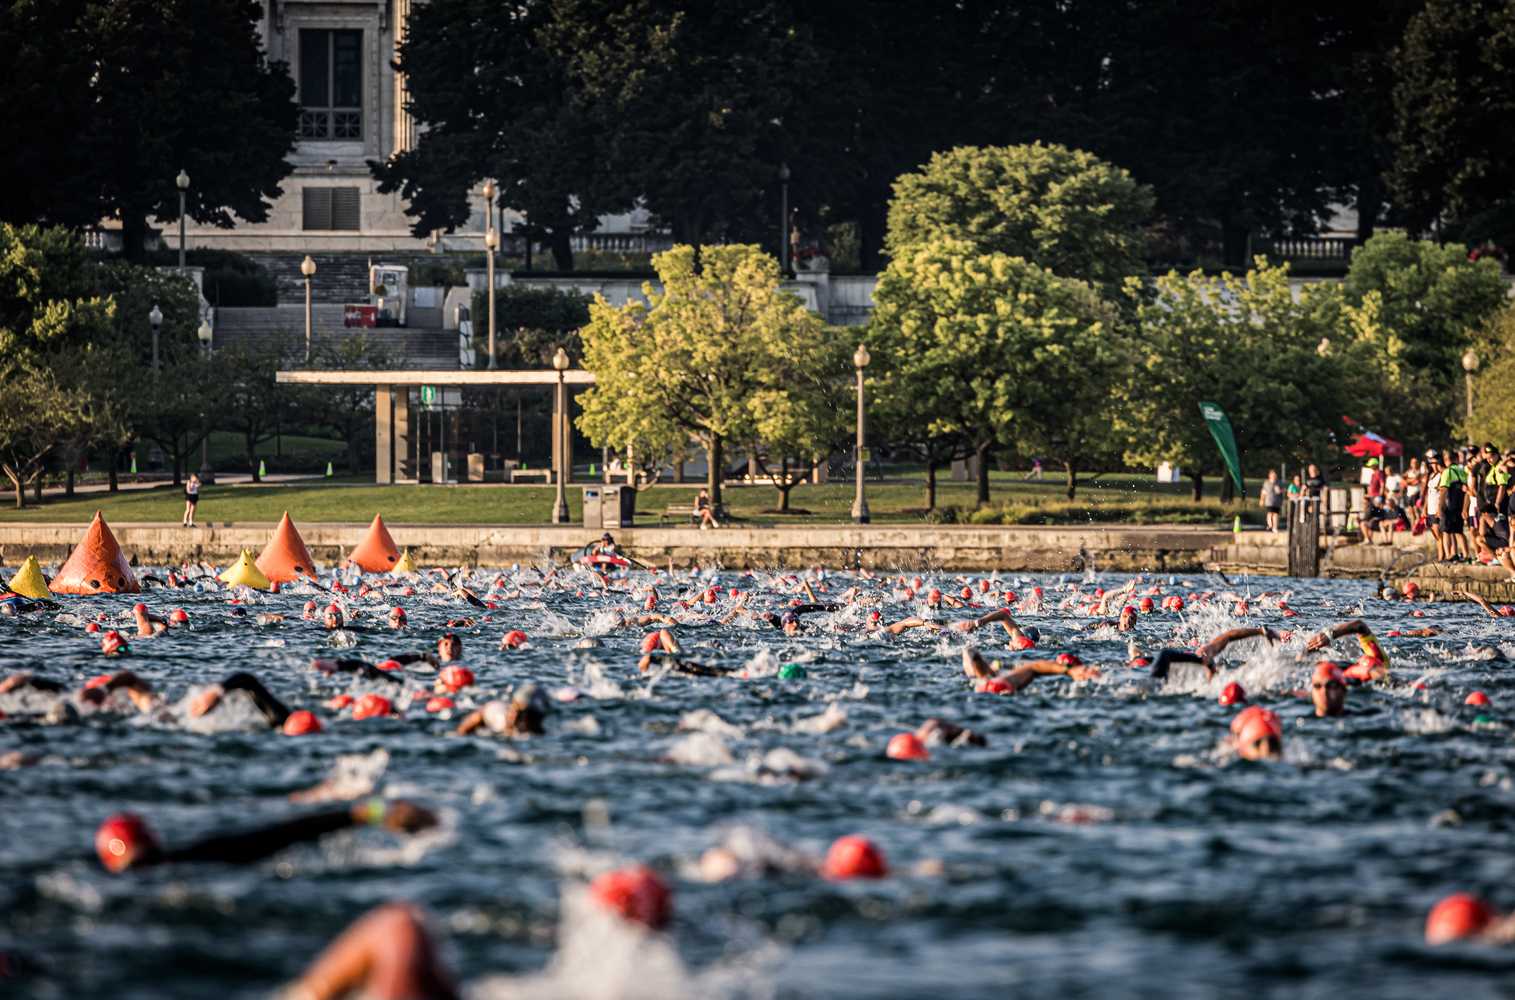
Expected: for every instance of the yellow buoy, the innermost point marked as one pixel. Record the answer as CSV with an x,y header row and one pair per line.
x,y
245,573
28,581
406,566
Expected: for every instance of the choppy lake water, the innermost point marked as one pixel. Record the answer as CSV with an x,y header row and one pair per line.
x,y
1104,843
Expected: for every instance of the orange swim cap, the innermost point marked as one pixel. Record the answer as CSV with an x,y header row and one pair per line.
x,y
1232,694
1476,698
636,894
514,639
121,840
1458,916
455,678
1327,672
388,665
1148,605
338,702
301,723
372,706
438,703
854,857
113,643
906,746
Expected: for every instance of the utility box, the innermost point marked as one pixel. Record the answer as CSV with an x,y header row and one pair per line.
x,y
475,467
593,515
619,505
440,471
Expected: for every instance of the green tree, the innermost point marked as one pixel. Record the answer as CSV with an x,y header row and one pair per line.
x,y
708,348
348,410
520,117
116,98
1062,209
1493,417
1284,369
1452,105
248,399
964,341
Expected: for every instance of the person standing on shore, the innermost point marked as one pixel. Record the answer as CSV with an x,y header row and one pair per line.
x,y
1272,499
191,499
1315,483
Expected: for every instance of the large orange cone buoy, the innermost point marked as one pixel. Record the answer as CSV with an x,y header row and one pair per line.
x,y
285,558
377,552
96,565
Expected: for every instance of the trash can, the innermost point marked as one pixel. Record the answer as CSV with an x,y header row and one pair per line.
x,y
593,517
620,506
441,471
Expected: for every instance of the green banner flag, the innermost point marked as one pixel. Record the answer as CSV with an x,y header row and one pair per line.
x,y
1220,430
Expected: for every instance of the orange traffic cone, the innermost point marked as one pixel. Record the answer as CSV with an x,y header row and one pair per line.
x,y
377,552
285,558
96,565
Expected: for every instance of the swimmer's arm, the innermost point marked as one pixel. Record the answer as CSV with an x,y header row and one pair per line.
x,y
252,846
1167,657
404,658
469,596
26,680
809,592
271,708
801,609
1218,645
1024,673
909,623
1001,615
473,720
1324,638
1480,600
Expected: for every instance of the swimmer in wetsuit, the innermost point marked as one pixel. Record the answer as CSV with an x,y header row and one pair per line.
x,y
1372,665
988,678
1206,653
125,841
12,604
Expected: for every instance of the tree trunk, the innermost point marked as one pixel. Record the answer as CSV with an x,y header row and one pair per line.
x,y
715,455
560,240
930,484
68,484
1227,489
37,487
784,486
20,490
1072,479
1198,479
983,474
115,462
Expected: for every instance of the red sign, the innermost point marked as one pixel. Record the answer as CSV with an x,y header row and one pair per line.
x,y
356,315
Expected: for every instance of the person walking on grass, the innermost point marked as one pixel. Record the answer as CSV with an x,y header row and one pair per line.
x,y
1272,499
191,499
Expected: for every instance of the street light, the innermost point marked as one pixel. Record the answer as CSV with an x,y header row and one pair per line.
x,y
1469,366
784,220
207,336
560,505
491,243
860,361
307,268
156,319
182,183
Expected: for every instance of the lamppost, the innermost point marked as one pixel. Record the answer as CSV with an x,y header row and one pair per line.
x,y
307,268
784,220
156,319
860,361
206,335
1469,366
182,183
560,445
491,242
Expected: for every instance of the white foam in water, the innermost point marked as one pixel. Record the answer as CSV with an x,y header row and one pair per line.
x,y
701,749
1427,721
237,712
602,622
554,624
351,776
762,664
703,720
832,719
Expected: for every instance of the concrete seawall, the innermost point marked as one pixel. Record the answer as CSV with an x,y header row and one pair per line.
x,y
948,547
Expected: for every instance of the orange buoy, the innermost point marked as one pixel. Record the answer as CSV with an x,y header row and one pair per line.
x,y
96,565
285,558
376,553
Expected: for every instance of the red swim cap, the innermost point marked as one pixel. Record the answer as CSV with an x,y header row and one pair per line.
x,y
514,639
1251,712
1232,694
92,627
113,643
1458,916
1022,641
1127,610
121,840
933,595
1411,588
372,706
439,703
1327,672
906,746
338,702
179,616
983,586
99,680
650,641
1476,698
1148,605
1069,660
1505,611
854,857
455,679
636,894
301,723
1178,603
310,608
387,665
994,685
1010,597
139,608
966,593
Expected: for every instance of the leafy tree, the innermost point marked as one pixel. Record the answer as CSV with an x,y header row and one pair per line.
x,y
248,398
37,415
1060,208
1452,106
1493,416
1283,368
963,340
709,355
348,410
802,415
520,117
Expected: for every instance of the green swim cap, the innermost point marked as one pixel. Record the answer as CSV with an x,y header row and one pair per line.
x,y
792,672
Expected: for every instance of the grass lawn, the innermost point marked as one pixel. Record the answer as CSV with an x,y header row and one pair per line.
x,y
1115,498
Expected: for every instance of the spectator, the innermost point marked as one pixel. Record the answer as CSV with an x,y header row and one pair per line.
x,y
1454,510
1315,483
1434,469
1413,481
1272,499
1296,487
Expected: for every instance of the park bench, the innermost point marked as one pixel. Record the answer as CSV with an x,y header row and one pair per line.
x,y
521,475
681,512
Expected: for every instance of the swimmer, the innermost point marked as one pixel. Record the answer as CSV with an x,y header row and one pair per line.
x,y
1372,665
940,731
524,715
1206,653
1504,611
12,605
1462,917
661,646
1257,734
148,625
1328,689
385,955
988,677
124,841
210,699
